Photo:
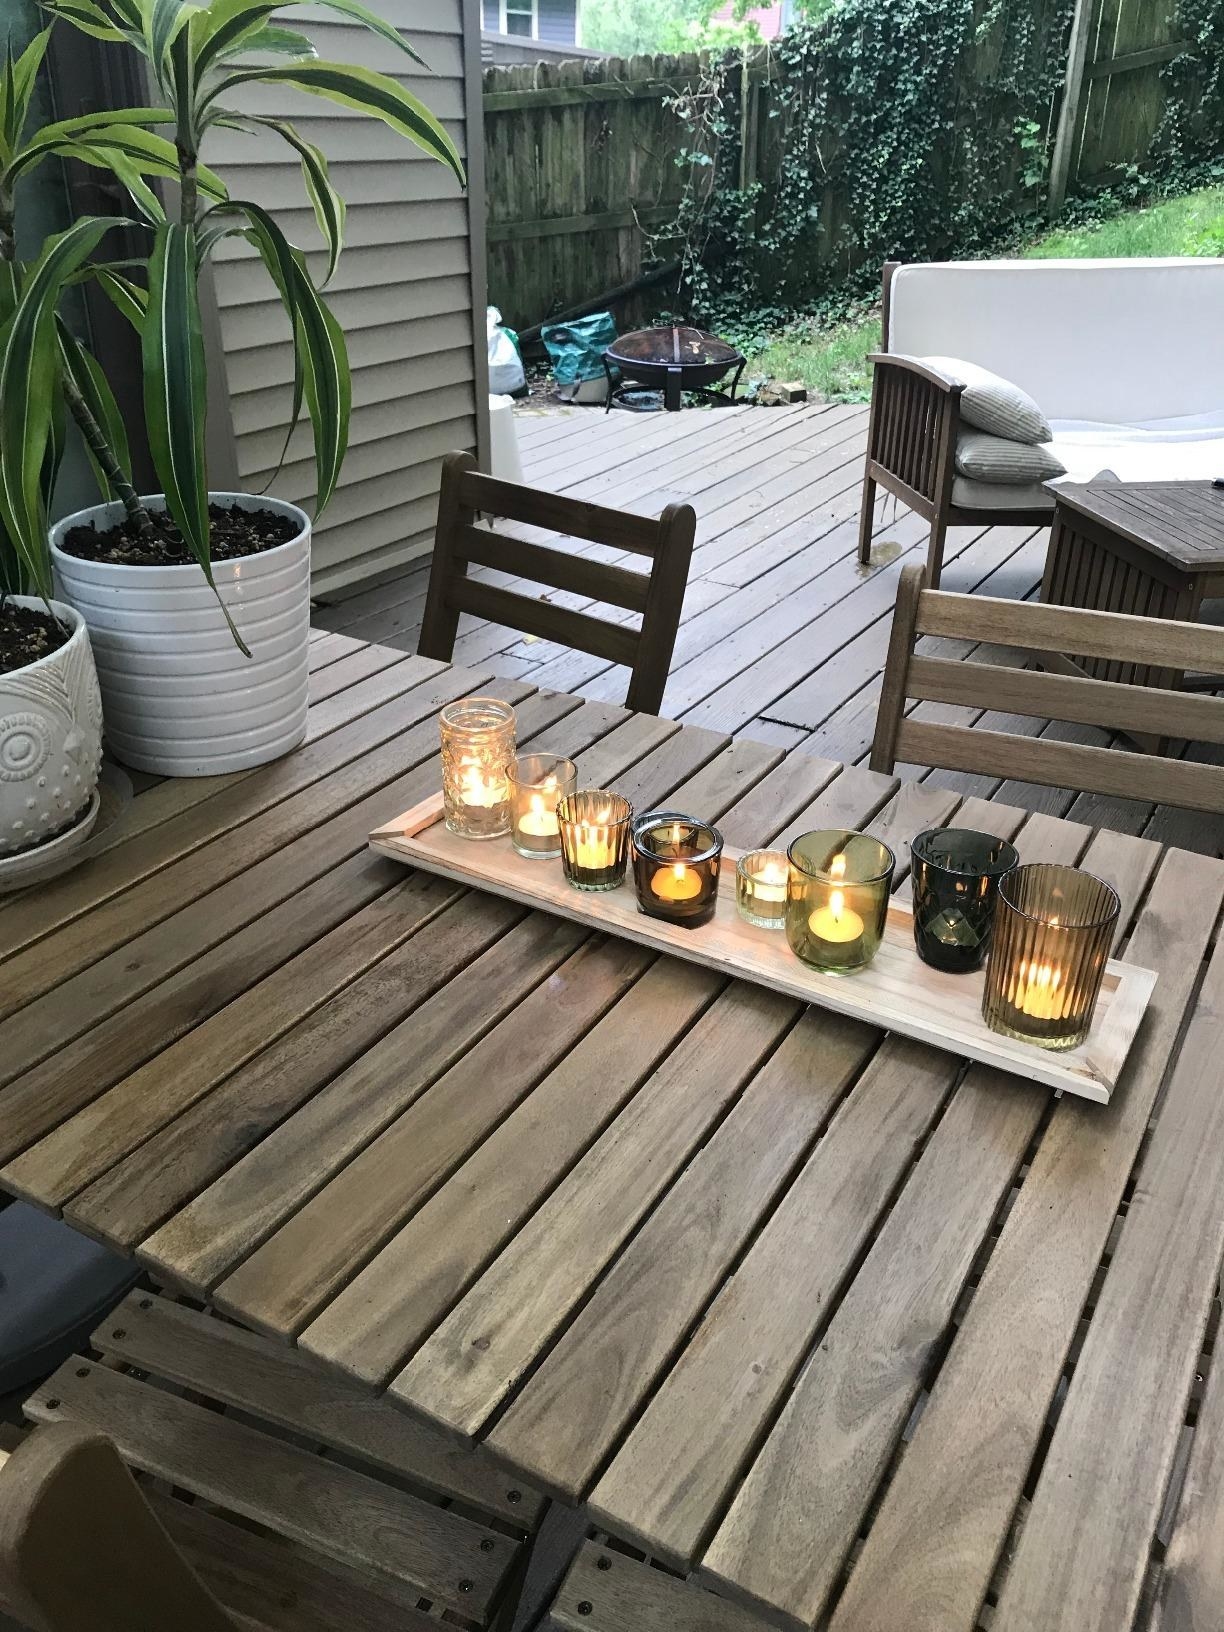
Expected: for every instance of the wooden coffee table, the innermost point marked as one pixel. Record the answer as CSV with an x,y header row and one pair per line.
x,y
1155,549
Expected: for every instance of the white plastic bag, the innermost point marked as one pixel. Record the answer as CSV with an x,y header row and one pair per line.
x,y
505,365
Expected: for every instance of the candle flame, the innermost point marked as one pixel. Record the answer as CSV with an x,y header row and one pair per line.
x,y
675,833
773,872
549,783
678,869
837,903
537,805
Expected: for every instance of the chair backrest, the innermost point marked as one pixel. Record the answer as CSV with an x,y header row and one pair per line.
x,y
658,596
1151,711
80,1549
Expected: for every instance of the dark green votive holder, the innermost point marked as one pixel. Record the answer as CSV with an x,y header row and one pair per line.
x,y
956,875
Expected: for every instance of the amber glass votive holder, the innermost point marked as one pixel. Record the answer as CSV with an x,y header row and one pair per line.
x,y
837,899
1053,930
594,838
538,783
477,748
676,862
760,888
956,875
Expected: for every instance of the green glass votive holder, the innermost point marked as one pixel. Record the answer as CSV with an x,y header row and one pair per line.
x,y
594,838
956,875
837,899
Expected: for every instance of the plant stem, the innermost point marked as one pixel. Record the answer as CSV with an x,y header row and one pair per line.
x,y
189,194
101,449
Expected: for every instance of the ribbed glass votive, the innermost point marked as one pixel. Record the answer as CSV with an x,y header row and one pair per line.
x,y
478,736
676,862
956,875
760,888
538,783
837,899
594,838
1052,934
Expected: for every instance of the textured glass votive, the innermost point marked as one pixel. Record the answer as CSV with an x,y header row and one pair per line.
x,y
538,783
837,899
1052,934
477,748
956,875
760,888
594,838
676,862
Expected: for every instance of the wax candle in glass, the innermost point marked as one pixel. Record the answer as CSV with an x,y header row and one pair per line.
x,y
594,838
477,748
837,899
956,875
1053,930
676,864
538,783
760,888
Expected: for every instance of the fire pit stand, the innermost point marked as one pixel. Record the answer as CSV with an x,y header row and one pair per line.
x,y
673,360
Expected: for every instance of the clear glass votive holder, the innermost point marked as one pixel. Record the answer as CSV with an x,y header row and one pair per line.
x,y
837,899
676,862
538,783
594,838
760,888
956,875
478,735
1053,930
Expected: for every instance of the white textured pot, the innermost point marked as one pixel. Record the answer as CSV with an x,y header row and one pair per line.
x,y
50,750
181,700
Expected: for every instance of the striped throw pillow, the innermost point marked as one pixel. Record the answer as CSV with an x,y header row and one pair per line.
x,y
995,459
991,403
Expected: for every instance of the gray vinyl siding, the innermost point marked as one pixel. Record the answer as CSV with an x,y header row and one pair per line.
x,y
410,278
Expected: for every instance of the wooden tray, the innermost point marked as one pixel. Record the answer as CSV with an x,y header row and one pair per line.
x,y
897,991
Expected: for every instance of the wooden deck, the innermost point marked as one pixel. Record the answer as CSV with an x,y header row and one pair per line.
x,y
784,634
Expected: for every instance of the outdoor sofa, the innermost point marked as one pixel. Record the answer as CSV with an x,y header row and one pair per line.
x,y
1124,358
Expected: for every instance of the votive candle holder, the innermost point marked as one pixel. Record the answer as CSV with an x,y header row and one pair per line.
x,y
761,878
676,863
594,838
478,735
538,783
1053,930
837,899
956,874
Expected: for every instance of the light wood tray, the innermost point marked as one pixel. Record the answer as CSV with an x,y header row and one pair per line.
x,y
897,991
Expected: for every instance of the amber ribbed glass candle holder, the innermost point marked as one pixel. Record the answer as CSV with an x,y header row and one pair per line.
x,y
477,748
1052,934
676,862
538,783
837,899
594,838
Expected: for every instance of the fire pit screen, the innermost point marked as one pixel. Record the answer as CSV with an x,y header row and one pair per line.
x,y
673,360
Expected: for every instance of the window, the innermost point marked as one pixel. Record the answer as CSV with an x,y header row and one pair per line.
x,y
519,17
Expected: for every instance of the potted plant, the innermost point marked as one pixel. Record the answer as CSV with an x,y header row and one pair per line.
x,y
198,601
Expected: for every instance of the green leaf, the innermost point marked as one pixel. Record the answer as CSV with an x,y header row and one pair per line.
x,y
92,383
283,42
89,18
28,390
232,26
362,14
359,88
174,384
129,297
329,207
16,88
95,143
164,18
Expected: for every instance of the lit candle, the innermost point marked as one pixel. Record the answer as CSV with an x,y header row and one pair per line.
x,y
478,788
477,739
836,923
537,821
837,899
594,838
1039,991
761,878
677,883
769,883
593,841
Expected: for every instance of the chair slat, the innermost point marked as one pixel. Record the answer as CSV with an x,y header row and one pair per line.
x,y
345,1515
579,519
1110,704
1041,628
605,1591
1108,771
608,640
541,565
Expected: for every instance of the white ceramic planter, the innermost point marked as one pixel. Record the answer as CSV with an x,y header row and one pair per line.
x,y
181,699
50,752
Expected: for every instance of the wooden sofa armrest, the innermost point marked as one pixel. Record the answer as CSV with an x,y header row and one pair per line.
x,y
911,436
887,361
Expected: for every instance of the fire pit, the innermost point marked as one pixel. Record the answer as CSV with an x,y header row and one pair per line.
x,y
673,360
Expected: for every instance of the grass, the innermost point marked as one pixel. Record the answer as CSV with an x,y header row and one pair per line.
x,y
832,361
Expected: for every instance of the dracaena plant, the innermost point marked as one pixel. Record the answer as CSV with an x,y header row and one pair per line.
x,y
199,57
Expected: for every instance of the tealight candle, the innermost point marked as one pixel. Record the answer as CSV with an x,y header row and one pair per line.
x,y
837,899
1053,930
676,863
594,838
760,888
538,783
477,746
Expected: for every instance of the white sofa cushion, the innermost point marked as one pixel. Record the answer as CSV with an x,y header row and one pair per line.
x,y
993,404
1104,341
995,459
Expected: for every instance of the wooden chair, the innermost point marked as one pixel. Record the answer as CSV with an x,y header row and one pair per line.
x,y
1150,711
609,1590
292,1499
659,595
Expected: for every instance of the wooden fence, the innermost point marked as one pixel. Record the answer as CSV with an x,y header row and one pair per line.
x,y
588,162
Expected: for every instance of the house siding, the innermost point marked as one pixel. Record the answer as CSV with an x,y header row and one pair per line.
x,y
557,20
409,293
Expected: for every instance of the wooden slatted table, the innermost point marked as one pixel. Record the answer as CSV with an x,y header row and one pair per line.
x,y
851,1335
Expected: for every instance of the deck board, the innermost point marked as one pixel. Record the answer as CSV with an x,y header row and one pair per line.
x,y
783,634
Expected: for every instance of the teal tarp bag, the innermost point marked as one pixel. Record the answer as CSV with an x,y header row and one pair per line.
x,y
576,349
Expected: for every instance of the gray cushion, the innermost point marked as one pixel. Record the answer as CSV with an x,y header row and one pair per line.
x,y
1014,464
991,403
